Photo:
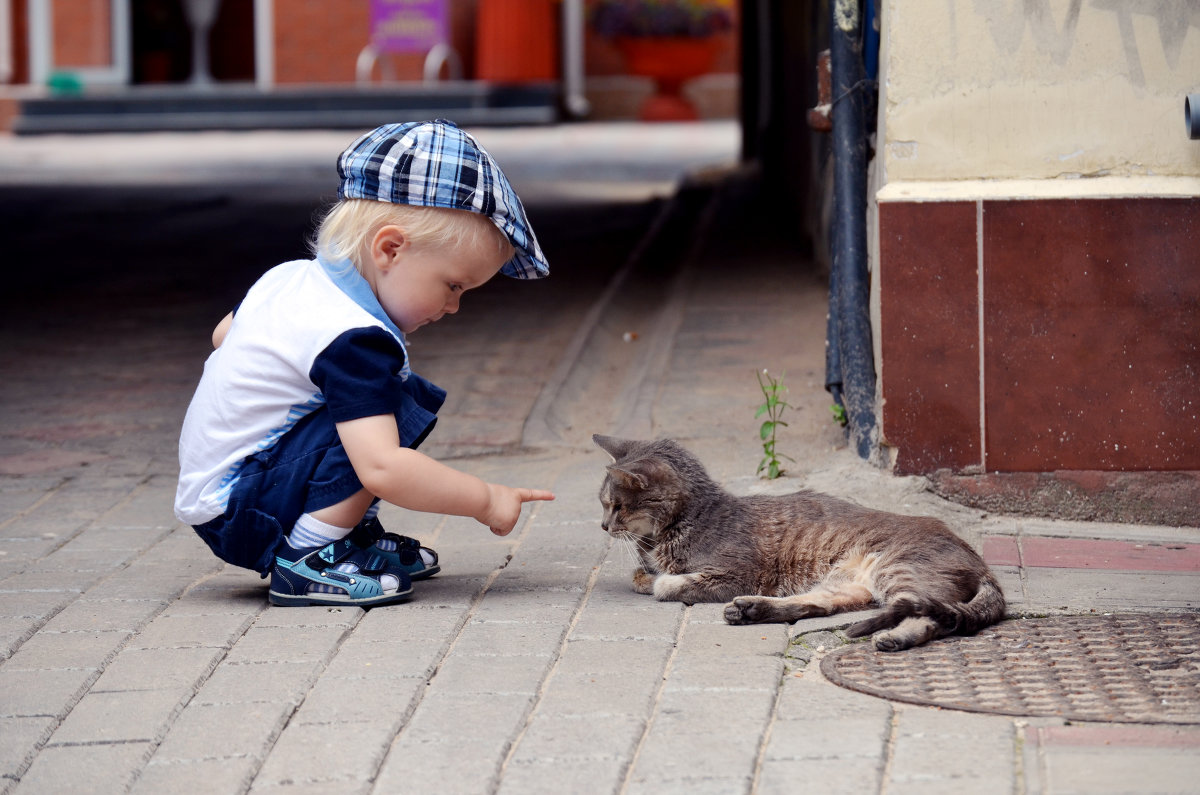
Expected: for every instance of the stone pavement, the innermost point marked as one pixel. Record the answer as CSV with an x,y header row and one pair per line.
x,y
132,660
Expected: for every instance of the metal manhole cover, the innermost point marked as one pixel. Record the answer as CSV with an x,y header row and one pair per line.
x,y
1119,669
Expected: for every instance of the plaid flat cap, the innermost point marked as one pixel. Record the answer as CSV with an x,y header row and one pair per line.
x,y
435,164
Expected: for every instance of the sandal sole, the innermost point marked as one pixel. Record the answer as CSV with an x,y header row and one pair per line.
x,y
332,600
424,574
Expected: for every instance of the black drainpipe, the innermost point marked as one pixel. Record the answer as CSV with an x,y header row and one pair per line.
x,y
850,359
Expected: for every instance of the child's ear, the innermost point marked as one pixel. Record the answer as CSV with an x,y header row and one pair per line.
x,y
387,246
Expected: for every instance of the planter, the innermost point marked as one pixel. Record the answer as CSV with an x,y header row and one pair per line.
x,y
670,61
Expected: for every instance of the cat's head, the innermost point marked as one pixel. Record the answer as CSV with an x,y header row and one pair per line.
x,y
646,486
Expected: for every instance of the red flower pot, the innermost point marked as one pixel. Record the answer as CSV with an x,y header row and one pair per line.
x,y
670,61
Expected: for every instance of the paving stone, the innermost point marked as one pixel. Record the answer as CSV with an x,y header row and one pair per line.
x,y
121,716
731,671
102,540
22,738
35,605
18,496
277,682
468,734
740,710
230,591
174,631
228,774
396,659
528,606
71,561
411,621
983,760
1110,759
863,739
307,754
490,637
347,785
222,731
553,777
85,616
37,580
831,776
493,673
366,699
588,656
15,632
149,506
316,616
572,739
149,583
599,694
104,768
159,668
51,650
473,758
287,644
41,692
1051,589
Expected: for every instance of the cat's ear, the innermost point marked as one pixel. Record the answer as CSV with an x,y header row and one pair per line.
x,y
641,473
616,448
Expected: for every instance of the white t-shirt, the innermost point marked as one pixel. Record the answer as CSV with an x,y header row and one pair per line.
x,y
308,334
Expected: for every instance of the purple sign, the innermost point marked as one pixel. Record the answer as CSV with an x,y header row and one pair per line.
x,y
407,25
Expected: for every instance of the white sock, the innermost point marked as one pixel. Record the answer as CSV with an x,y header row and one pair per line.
x,y
311,532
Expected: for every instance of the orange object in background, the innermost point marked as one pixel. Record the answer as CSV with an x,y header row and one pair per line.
x,y
516,40
670,61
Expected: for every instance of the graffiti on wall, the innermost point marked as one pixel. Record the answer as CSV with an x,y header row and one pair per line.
x,y
1054,31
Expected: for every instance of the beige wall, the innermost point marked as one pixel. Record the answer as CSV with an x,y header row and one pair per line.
x,y
1037,89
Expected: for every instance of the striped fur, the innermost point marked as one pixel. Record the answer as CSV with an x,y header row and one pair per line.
x,y
783,558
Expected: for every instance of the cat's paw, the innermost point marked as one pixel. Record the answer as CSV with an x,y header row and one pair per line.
x,y
888,641
744,610
643,582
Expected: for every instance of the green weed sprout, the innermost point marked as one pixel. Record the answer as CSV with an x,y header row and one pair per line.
x,y
772,389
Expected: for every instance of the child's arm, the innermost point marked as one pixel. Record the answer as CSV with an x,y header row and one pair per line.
x,y
221,330
413,480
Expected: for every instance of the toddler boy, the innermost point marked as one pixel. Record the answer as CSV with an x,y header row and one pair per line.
x,y
308,413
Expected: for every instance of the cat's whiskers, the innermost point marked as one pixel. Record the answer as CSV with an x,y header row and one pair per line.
x,y
630,547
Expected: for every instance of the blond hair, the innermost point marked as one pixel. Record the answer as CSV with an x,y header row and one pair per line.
x,y
349,226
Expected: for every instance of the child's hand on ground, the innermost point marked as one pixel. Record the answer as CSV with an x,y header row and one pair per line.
x,y
504,506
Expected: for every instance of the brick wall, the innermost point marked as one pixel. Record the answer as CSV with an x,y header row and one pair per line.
x,y
82,33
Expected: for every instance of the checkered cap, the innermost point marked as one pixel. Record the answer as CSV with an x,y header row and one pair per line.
x,y
435,164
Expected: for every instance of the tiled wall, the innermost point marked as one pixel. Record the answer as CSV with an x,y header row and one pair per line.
x,y
1040,335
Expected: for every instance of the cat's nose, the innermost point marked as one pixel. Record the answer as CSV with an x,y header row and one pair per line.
x,y
604,526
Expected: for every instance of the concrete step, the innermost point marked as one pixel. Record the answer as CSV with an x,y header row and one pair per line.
x,y
243,107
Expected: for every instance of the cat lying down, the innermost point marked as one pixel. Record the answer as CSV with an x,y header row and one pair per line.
x,y
783,558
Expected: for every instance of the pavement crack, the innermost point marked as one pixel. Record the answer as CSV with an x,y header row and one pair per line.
x,y
656,701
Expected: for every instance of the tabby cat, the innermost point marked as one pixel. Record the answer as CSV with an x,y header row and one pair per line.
x,y
783,558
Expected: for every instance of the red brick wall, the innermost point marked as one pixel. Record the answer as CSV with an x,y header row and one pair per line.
x,y
1041,335
318,41
82,32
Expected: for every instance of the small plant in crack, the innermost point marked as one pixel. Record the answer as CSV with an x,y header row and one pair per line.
x,y
773,391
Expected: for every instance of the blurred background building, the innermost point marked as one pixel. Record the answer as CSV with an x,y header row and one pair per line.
x,y
1015,280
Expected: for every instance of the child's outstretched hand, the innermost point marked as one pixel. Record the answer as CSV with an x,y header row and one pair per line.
x,y
504,506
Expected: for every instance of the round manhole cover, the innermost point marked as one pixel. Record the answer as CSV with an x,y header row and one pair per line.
x,y
1119,668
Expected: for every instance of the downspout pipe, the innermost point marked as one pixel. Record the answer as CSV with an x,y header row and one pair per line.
x,y
849,300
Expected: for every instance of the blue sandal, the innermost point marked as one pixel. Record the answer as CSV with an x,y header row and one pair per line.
x,y
303,577
406,554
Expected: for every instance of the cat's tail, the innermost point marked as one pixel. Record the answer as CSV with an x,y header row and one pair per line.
x,y
964,618
985,608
